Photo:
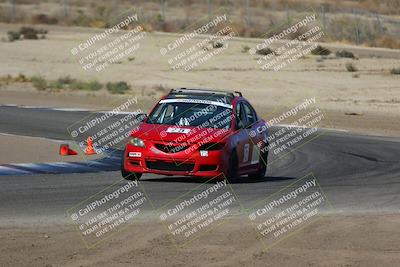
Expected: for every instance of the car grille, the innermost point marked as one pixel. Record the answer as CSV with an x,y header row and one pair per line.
x,y
170,166
171,148
204,168
212,146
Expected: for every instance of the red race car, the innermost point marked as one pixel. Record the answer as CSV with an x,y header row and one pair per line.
x,y
195,132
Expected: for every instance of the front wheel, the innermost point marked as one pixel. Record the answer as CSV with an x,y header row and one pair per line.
x,y
233,174
262,169
131,176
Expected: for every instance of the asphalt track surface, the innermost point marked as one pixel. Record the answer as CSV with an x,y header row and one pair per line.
x,y
357,173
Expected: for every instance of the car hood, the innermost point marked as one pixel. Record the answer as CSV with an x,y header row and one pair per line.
x,y
181,134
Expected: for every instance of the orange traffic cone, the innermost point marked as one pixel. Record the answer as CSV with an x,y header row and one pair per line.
x,y
66,151
89,149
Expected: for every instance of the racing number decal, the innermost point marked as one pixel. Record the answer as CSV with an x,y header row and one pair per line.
x,y
255,156
246,151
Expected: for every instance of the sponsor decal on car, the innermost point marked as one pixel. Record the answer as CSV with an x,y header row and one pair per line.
x,y
204,153
196,101
178,130
135,154
246,152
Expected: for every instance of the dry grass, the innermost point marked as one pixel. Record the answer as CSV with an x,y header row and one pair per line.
x,y
255,21
8,79
231,70
388,42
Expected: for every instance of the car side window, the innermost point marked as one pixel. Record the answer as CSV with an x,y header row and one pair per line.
x,y
249,114
240,119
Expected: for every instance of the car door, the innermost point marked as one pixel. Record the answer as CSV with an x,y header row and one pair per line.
x,y
252,135
241,138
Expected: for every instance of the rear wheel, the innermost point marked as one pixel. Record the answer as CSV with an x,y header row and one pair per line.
x,y
262,169
131,176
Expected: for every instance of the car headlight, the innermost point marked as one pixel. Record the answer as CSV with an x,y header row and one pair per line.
x,y
136,141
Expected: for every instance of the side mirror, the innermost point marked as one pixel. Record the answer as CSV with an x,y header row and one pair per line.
x,y
141,117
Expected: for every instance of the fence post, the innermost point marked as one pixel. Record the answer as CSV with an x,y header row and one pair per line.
x,y
357,28
65,7
248,17
379,23
162,3
12,3
288,14
116,6
209,8
323,17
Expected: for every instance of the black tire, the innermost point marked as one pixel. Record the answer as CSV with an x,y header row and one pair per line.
x,y
260,174
233,175
131,176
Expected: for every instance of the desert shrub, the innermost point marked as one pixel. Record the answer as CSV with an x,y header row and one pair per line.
x,y
217,45
395,71
265,51
321,51
245,48
12,36
6,79
98,23
29,33
21,78
39,83
87,86
32,33
147,27
65,80
10,79
82,20
94,85
345,54
43,19
353,114
350,67
117,87
56,85
77,85
387,42
26,33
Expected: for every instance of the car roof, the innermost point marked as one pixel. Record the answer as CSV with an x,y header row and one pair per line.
x,y
208,94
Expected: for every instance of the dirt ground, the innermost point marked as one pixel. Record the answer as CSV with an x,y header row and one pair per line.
x,y
372,93
364,240
336,240
35,150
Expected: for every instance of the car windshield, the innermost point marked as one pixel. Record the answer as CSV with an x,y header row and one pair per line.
x,y
204,115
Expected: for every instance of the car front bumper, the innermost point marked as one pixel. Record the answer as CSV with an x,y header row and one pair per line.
x,y
187,163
